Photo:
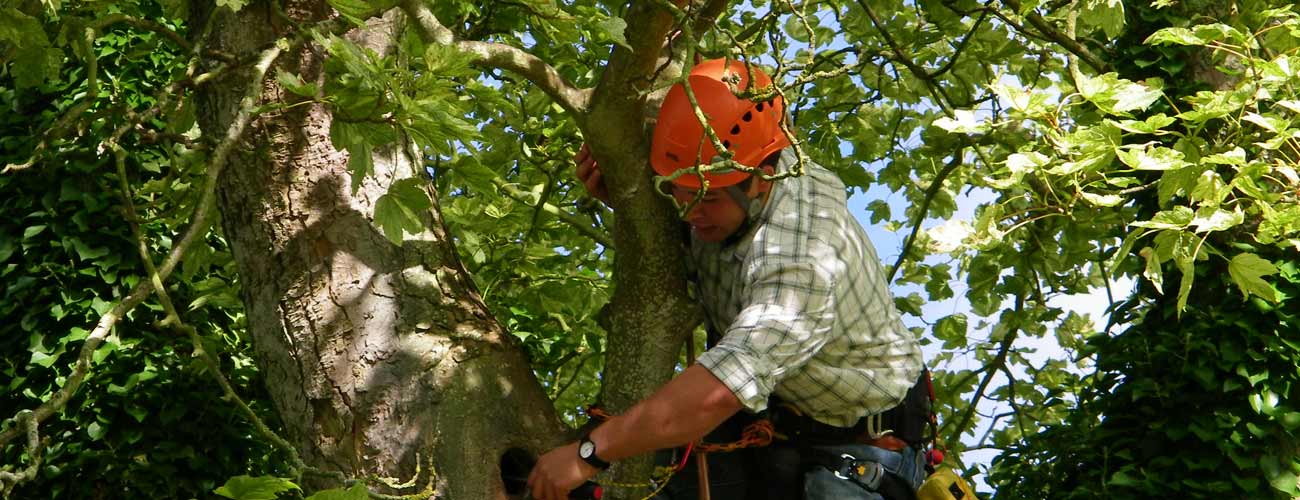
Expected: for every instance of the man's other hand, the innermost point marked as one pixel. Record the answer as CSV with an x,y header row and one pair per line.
x,y
590,175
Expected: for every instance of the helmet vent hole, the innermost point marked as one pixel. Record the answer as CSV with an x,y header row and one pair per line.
x,y
748,116
735,129
759,107
726,144
769,101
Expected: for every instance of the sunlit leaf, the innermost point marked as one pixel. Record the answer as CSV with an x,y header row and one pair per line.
x,y
1248,271
255,488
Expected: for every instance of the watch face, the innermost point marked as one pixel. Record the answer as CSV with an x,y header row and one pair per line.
x,y
587,449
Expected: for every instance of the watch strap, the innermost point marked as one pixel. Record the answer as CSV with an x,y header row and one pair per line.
x,y
591,459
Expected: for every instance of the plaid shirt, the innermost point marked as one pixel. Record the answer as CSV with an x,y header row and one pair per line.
x,y
803,307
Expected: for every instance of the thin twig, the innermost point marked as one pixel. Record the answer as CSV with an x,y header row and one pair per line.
x,y
582,226
999,360
930,193
1068,42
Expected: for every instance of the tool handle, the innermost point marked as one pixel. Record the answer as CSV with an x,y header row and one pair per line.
x,y
588,491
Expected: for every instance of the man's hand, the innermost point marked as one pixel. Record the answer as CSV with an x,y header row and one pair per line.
x,y
558,472
589,173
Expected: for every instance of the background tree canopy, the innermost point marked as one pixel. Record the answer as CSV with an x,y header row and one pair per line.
x,y
380,274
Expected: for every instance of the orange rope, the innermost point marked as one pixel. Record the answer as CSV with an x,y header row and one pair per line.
x,y
755,435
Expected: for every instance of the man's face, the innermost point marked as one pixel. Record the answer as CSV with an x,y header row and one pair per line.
x,y
715,217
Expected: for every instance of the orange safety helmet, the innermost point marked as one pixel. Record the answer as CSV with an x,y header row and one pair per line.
x,y
750,130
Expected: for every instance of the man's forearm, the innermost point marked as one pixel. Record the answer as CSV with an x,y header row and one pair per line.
x,y
683,410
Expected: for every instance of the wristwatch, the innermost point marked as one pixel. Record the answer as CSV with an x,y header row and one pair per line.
x,y
587,452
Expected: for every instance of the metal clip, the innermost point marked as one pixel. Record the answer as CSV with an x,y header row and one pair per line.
x,y
866,473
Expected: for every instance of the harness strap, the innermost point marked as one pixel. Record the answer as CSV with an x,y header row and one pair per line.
x,y
868,474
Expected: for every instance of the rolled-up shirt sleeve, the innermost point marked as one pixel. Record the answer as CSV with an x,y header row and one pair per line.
x,y
787,319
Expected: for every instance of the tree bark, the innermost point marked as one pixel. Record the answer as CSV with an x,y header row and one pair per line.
x,y
377,356
650,314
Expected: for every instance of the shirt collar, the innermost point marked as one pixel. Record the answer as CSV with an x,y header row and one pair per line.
x,y
739,249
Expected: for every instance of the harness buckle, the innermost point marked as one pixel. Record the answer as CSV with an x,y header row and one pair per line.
x,y
864,472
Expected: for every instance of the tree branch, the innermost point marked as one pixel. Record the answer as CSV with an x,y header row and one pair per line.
x,y
498,55
930,193
998,361
1055,35
582,226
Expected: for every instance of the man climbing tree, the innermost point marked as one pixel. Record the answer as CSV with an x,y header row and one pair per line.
x,y
801,322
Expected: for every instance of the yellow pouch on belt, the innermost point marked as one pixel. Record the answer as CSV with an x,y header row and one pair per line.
x,y
945,484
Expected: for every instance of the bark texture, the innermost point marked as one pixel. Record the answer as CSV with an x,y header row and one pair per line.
x,y
651,314
376,355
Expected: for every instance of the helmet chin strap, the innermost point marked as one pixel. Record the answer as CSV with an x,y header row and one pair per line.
x,y
753,209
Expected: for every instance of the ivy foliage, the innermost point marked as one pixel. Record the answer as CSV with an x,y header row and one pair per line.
x,y
144,423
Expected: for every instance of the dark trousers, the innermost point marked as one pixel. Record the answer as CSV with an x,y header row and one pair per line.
x,y
777,472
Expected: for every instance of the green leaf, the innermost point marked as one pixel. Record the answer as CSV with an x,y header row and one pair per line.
x,y
293,83
255,488
360,163
1152,125
1122,478
911,304
137,412
1024,100
1173,36
1184,257
1281,478
356,492
1207,105
1277,224
879,213
1269,122
1248,271
234,5
95,431
1102,200
86,252
42,359
951,330
31,231
7,247
1154,158
1216,219
612,28
400,209
1114,95
1210,189
1107,14
1177,218
356,11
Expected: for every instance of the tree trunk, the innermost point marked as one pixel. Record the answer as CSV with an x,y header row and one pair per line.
x,y
377,356
651,314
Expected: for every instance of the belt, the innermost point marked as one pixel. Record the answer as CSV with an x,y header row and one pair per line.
x,y
888,441
792,425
